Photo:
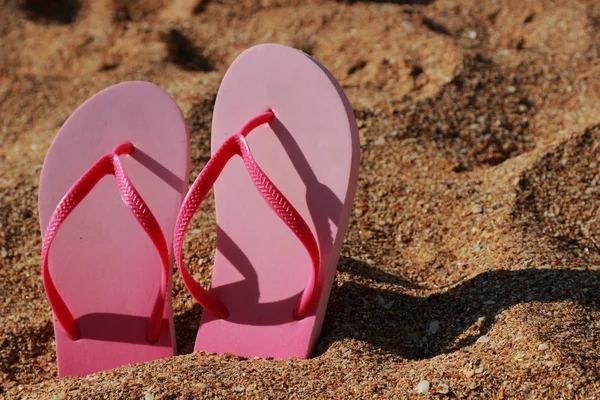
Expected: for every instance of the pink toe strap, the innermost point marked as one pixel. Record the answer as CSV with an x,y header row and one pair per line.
x,y
237,145
109,164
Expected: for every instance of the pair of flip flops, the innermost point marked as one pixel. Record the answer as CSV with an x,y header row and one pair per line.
x,y
282,210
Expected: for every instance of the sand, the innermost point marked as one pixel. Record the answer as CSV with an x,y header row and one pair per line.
x,y
471,267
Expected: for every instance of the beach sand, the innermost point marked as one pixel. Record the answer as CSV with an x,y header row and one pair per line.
x,y
471,266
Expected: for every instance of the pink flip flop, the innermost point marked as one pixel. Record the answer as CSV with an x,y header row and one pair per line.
x,y
280,226
106,259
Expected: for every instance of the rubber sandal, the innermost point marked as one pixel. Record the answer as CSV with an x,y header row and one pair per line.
x,y
282,206
106,258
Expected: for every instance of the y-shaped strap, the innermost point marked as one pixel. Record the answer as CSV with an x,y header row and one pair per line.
x,y
109,164
237,145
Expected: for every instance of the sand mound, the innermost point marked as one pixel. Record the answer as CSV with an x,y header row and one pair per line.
x,y
558,198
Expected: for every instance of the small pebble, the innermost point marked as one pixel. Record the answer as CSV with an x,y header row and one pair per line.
x,y
483,339
477,209
383,303
423,387
444,389
380,141
543,346
149,396
434,326
511,89
358,212
472,35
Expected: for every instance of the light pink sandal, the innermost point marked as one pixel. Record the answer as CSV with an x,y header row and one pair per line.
x,y
106,261
279,232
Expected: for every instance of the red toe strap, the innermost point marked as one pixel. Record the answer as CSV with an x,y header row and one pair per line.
x,y
237,145
109,164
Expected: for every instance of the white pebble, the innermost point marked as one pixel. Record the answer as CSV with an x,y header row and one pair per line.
x,y
423,387
149,396
477,209
483,339
434,326
543,346
472,35
511,89
380,141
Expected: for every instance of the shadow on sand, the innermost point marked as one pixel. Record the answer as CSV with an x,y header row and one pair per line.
x,y
355,311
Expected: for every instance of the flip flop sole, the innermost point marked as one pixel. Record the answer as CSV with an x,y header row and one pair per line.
x,y
311,153
102,262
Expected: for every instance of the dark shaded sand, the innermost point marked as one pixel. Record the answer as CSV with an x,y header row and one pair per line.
x,y
472,259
